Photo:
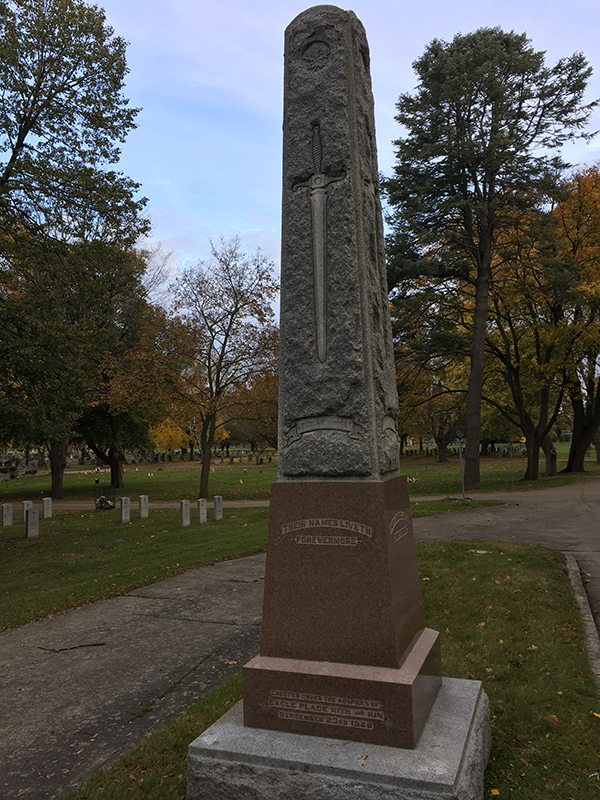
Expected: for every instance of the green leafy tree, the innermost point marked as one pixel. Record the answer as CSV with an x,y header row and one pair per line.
x,y
63,311
481,129
62,117
68,219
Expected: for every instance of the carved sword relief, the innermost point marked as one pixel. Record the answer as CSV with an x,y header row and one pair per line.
x,y
317,183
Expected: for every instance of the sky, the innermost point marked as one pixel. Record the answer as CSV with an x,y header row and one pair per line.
x,y
208,77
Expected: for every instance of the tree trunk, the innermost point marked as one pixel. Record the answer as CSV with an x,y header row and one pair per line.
x,y
116,459
597,446
550,455
533,459
485,447
207,438
58,463
585,428
191,444
475,388
577,454
42,457
442,450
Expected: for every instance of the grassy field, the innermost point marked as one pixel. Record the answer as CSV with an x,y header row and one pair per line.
x,y
168,482
507,618
251,482
81,557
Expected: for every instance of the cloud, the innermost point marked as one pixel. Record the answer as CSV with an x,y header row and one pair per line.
x,y
209,78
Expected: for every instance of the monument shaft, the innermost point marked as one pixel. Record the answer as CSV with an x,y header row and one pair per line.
x,y
338,400
344,648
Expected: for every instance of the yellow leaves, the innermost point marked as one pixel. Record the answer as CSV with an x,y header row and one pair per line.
x,y
595,714
230,662
168,435
495,792
480,624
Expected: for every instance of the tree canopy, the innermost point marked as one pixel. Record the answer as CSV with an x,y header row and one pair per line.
x,y
482,132
63,115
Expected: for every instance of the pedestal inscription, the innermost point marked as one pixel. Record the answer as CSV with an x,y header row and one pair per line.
x,y
343,624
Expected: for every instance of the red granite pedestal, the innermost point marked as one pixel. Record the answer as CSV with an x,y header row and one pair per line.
x,y
344,648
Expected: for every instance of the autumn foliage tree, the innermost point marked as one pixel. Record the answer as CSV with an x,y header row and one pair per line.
x,y
256,412
577,220
133,384
529,339
225,303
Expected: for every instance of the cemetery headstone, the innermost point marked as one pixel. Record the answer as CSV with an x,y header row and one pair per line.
x,y
202,518
32,523
125,509
143,506
184,513
218,507
7,515
47,508
26,506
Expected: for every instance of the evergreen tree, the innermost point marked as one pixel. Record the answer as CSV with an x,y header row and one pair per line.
x,y
482,130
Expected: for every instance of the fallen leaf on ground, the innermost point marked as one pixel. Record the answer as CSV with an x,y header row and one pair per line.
x,y
551,718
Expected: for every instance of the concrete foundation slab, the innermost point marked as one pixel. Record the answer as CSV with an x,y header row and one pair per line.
x,y
229,761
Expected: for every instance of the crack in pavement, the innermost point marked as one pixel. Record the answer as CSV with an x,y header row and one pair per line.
x,y
75,647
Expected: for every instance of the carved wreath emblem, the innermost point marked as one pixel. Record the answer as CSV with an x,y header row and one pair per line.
x,y
315,55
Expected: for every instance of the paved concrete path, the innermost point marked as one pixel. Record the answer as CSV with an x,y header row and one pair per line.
x,y
71,686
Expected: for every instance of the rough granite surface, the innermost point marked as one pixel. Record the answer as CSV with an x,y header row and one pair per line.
x,y
338,400
230,761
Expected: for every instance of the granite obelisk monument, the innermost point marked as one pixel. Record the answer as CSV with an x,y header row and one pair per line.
x,y
344,648
346,660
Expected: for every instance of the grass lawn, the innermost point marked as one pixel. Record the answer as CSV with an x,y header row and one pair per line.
x,y
427,476
164,482
507,618
251,482
81,557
